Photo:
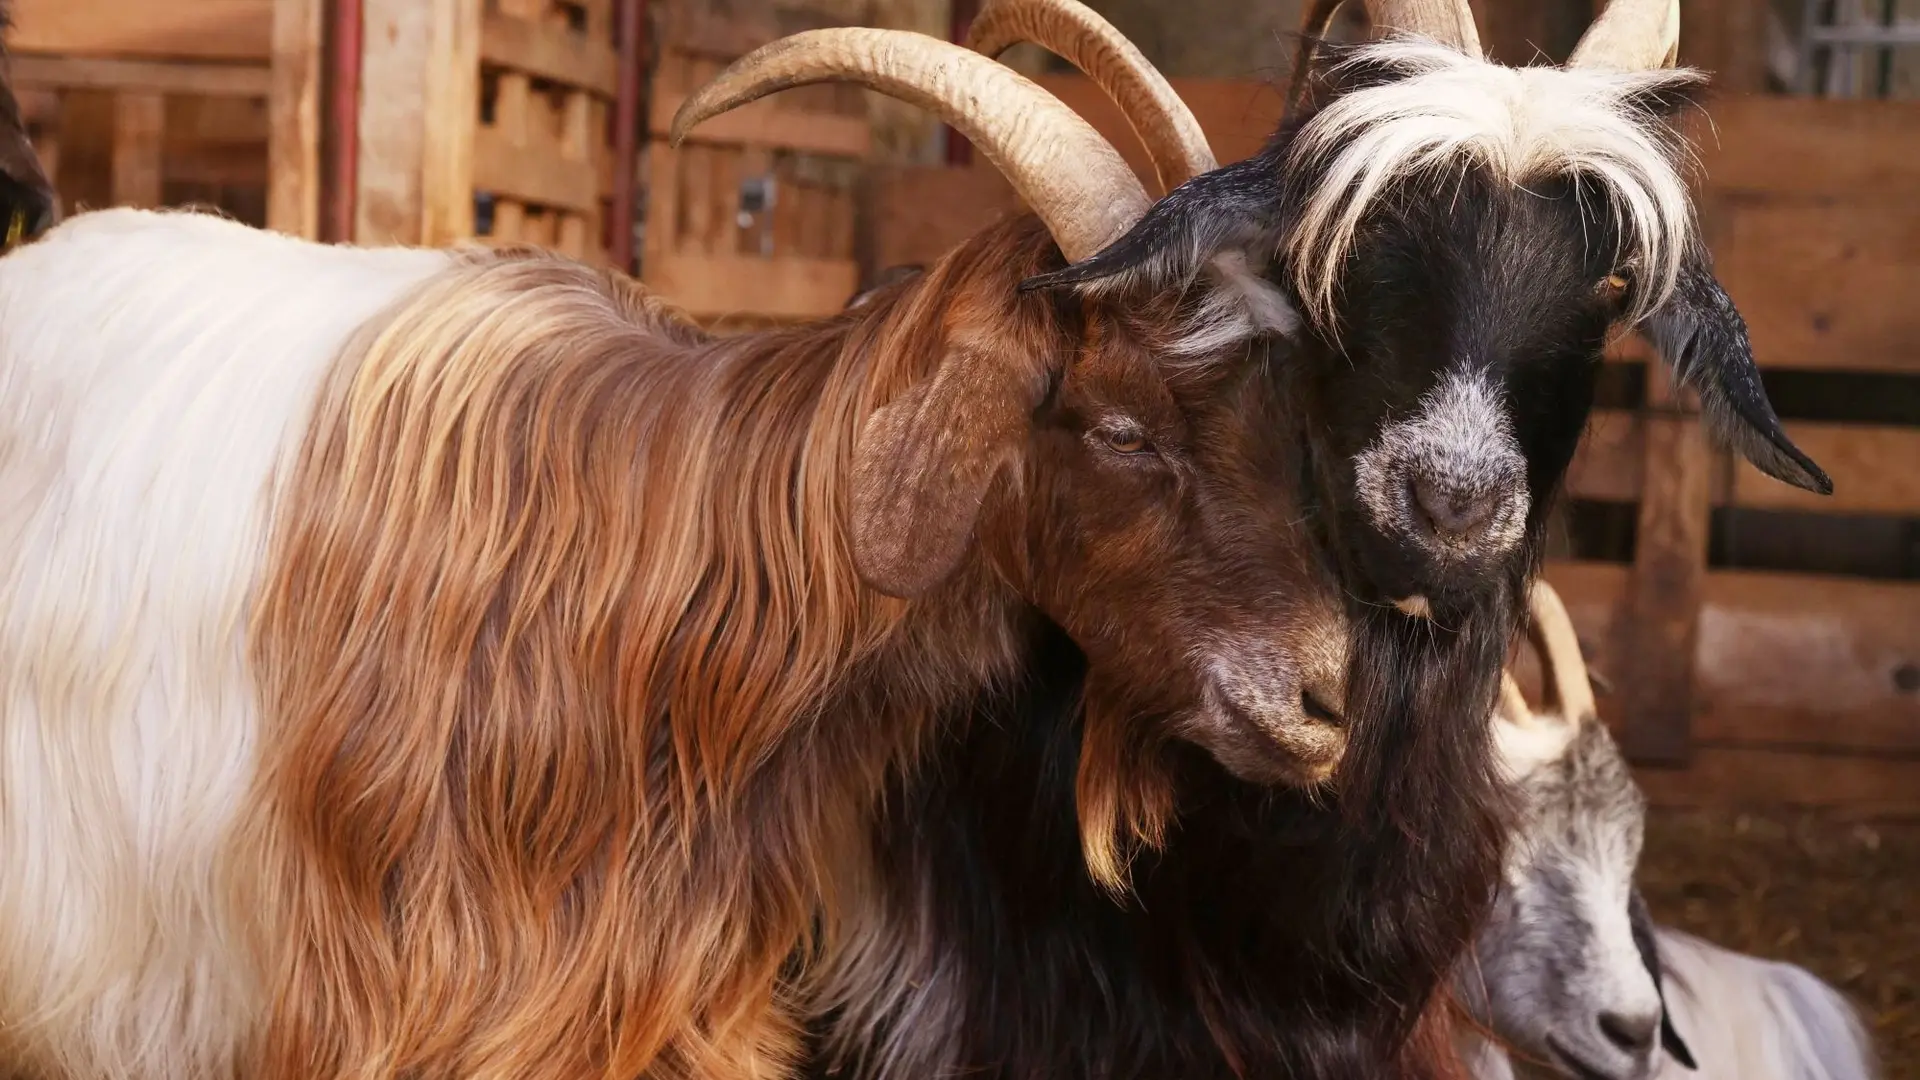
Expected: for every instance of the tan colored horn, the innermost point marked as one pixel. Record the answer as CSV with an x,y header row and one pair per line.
x,y
1163,123
1631,35
1449,22
1066,172
1513,704
1561,665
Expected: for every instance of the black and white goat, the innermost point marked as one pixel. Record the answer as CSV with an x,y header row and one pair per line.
x,y
1571,971
1448,244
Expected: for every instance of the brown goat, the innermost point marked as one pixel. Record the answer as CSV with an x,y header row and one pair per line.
x,y
506,670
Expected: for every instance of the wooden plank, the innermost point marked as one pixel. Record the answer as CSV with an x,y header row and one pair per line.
x,y
663,199
1661,613
139,121
1759,776
1811,146
419,105
293,105
921,212
502,167
1827,285
161,77
1875,470
782,288
566,58
1781,660
761,123
185,29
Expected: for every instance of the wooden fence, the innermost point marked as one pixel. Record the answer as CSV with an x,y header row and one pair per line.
x,y
1727,684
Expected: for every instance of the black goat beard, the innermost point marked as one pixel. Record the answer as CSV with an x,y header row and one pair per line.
x,y
1276,932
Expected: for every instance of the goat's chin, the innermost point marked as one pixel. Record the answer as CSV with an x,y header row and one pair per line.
x,y
1271,747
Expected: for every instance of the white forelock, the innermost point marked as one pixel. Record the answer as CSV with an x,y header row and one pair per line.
x,y
1521,125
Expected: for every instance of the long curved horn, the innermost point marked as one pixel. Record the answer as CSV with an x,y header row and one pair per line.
x,y
1631,35
1559,647
1449,22
1513,706
1163,123
1073,179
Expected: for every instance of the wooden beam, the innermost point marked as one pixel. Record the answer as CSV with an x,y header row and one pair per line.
x,y
1662,608
181,29
565,58
1737,776
1809,146
502,166
419,105
293,139
1827,285
148,76
1818,664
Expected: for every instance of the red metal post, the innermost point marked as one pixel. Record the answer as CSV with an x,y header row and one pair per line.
x,y
627,122
959,150
340,140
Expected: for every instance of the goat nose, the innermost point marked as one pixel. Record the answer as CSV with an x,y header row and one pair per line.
x,y
1455,514
1632,1032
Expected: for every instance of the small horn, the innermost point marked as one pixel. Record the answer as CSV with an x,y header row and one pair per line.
x,y
1163,123
1449,22
1631,35
1056,162
1559,647
1513,704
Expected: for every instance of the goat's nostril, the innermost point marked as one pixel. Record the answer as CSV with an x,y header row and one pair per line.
x,y
1454,516
1632,1033
1317,710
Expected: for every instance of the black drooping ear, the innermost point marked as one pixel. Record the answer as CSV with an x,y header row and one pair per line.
x,y
1222,222
1705,340
1641,920
29,205
925,461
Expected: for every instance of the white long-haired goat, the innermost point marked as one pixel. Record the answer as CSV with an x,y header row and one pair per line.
x,y
1571,972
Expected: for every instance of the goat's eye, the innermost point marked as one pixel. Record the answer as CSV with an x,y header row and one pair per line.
x,y
1614,285
1126,441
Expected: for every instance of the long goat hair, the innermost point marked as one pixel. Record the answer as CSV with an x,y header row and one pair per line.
x,y
1271,932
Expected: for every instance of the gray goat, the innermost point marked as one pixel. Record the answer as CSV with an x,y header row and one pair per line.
x,y
1571,973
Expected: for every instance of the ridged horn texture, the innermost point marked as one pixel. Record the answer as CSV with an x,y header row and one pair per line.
x,y
1559,647
1631,35
1165,126
1449,22
1066,172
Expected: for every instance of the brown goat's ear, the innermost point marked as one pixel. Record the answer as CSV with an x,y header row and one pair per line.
x,y
925,463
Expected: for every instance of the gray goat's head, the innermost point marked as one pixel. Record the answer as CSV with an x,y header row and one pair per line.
x,y
1565,969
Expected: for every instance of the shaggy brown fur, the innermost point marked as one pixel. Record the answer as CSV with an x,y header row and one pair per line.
x,y
578,681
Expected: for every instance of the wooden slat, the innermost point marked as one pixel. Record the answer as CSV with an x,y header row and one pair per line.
x,y
762,124
1810,146
566,58
921,212
781,288
87,73
1781,660
187,29
1237,115
1827,285
138,123
499,166
1875,470
1727,777
293,147
1872,468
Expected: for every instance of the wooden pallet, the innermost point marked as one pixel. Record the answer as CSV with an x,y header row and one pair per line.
x,y
751,220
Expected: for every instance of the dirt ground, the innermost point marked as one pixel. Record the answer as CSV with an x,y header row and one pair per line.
x,y
1839,897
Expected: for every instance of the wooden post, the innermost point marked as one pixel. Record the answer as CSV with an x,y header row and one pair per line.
x,y
959,150
293,109
1659,628
628,120
419,105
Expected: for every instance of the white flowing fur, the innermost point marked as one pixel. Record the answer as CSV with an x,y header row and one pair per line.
x,y
1522,124
1753,1019
155,370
